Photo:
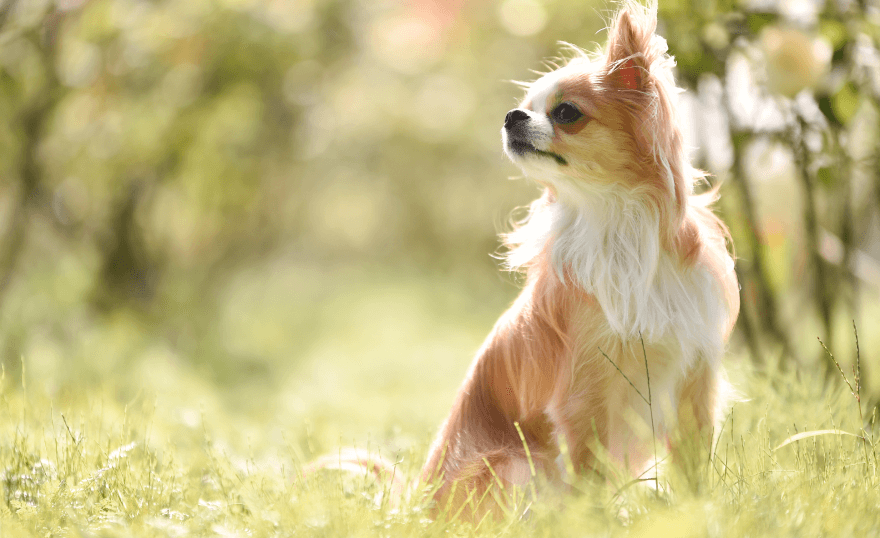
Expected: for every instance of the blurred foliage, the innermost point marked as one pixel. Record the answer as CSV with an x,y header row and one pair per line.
x,y
247,188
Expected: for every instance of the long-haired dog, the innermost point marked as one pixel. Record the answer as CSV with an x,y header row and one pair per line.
x,y
619,255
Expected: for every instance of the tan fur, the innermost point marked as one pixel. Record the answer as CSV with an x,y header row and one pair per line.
x,y
542,366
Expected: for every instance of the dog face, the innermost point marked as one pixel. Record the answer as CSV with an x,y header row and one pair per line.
x,y
604,119
568,127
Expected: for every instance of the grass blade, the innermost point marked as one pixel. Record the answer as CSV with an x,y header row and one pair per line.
x,y
814,433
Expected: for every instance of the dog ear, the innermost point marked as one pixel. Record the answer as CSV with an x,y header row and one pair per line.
x,y
629,46
628,74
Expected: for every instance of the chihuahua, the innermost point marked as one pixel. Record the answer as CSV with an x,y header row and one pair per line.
x,y
630,289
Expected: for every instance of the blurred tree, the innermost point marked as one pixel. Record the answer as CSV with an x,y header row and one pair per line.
x,y
158,152
805,55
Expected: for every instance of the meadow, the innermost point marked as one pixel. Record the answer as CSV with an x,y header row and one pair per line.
x,y
237,235
160,451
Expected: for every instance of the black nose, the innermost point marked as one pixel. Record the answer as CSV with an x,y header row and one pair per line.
x,y
513,117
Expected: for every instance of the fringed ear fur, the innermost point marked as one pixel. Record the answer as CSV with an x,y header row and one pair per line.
x,y
629,45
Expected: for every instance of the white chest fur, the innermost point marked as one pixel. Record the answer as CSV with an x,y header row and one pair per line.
x,y
609,245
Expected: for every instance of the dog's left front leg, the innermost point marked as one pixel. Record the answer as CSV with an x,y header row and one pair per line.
x,y
691,440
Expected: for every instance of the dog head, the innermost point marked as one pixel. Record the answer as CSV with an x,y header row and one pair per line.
x,y
607,120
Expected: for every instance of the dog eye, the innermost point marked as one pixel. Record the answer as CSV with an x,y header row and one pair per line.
x,y
566,113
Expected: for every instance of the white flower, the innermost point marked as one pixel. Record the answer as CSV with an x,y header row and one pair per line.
x,y
795,59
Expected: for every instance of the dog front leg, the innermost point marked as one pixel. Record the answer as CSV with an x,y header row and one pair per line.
x,y
691,440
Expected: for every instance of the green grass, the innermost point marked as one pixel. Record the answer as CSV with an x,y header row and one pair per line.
x,y
158,449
